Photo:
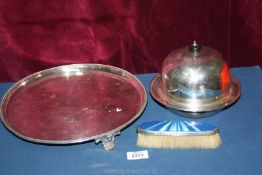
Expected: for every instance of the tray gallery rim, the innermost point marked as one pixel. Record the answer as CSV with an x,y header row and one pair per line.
x,y
46,72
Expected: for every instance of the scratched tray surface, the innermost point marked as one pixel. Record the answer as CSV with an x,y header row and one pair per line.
x,y
74,103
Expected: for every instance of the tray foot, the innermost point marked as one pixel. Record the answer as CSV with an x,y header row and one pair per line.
x,y
108,141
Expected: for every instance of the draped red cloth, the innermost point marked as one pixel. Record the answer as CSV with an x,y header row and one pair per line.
x,y
135,35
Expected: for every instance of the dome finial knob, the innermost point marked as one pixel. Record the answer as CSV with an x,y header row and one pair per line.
x,y
195,47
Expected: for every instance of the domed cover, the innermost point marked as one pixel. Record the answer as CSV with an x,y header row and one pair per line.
x,y
195,74
195,79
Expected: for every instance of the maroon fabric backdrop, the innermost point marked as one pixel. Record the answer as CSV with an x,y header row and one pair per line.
x,y
246,33
135,35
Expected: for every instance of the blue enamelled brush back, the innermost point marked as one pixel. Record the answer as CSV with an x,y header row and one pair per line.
x,y
173,134
171,127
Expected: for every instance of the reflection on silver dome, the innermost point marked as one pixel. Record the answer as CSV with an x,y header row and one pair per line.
x,y
195,79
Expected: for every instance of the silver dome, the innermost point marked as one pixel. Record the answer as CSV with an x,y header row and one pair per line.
x,y
195,81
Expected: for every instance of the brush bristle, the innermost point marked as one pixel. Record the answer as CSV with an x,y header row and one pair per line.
x,y
209,141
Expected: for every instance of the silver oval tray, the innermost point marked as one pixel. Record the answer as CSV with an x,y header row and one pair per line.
x,y
73,103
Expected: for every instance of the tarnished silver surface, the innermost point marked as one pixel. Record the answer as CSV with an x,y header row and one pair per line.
x,y
73,103
195,81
